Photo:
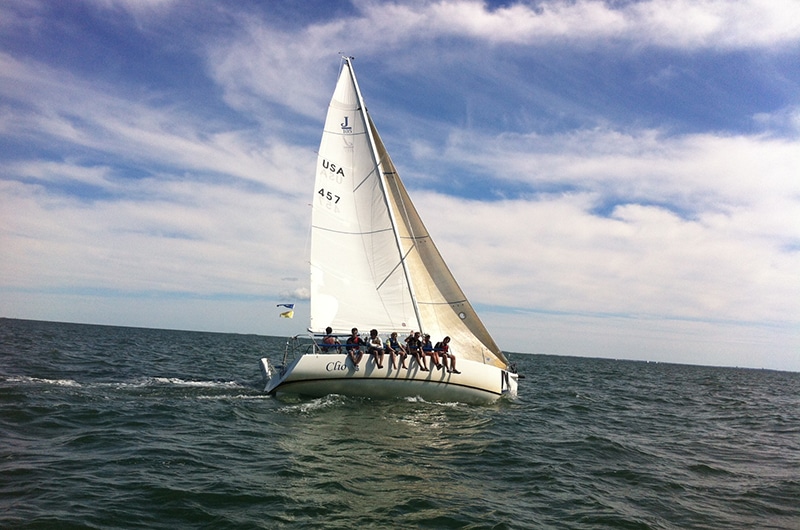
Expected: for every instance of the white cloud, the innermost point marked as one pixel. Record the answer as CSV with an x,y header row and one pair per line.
x,y
624,234
716,23
729,254
786,121
554,254
198,238
264,62
55,104
137,7
197,219
665,23
693,172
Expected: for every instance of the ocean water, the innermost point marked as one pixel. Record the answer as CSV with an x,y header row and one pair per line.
x,y
106,427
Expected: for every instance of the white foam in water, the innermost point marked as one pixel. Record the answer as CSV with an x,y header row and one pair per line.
x,y
325,402
201,384
40,381
243,397
141,383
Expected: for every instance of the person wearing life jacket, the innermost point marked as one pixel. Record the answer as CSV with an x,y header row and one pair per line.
x,y
414,345
444,352
395,349
427,349
354,343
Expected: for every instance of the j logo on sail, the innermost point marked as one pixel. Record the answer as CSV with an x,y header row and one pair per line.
x,y
346,129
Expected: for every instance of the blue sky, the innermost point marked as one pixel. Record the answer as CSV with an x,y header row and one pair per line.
x,y
614,179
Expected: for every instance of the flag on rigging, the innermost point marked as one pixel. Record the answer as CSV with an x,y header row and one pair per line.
x,y
287,314
288,306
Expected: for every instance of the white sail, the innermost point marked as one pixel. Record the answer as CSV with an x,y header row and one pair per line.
x,y
373,263
355,278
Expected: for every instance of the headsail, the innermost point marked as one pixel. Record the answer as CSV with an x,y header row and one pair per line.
x,y
373,263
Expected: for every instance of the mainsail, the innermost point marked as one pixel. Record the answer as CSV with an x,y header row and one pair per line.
x,y
373,263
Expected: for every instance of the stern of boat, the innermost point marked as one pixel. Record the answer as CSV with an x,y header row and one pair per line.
x,y
269,373
510,384
273,375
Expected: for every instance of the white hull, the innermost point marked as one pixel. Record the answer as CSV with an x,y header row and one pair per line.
x,y
320,374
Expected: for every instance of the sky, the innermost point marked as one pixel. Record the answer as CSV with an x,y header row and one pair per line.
x,y
613,179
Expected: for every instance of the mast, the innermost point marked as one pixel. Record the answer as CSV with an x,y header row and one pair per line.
x,y
382,179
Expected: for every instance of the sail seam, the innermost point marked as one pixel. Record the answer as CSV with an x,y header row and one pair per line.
x,y
443,303
351,233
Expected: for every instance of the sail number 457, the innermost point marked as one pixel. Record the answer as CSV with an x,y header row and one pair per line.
x,y
328,195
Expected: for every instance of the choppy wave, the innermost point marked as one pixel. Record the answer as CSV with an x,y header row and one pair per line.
x,y
113,427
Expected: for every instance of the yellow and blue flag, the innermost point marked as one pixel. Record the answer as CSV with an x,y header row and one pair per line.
x,y
287,314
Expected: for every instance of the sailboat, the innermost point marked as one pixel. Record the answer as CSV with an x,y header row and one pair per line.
x,y
374,266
